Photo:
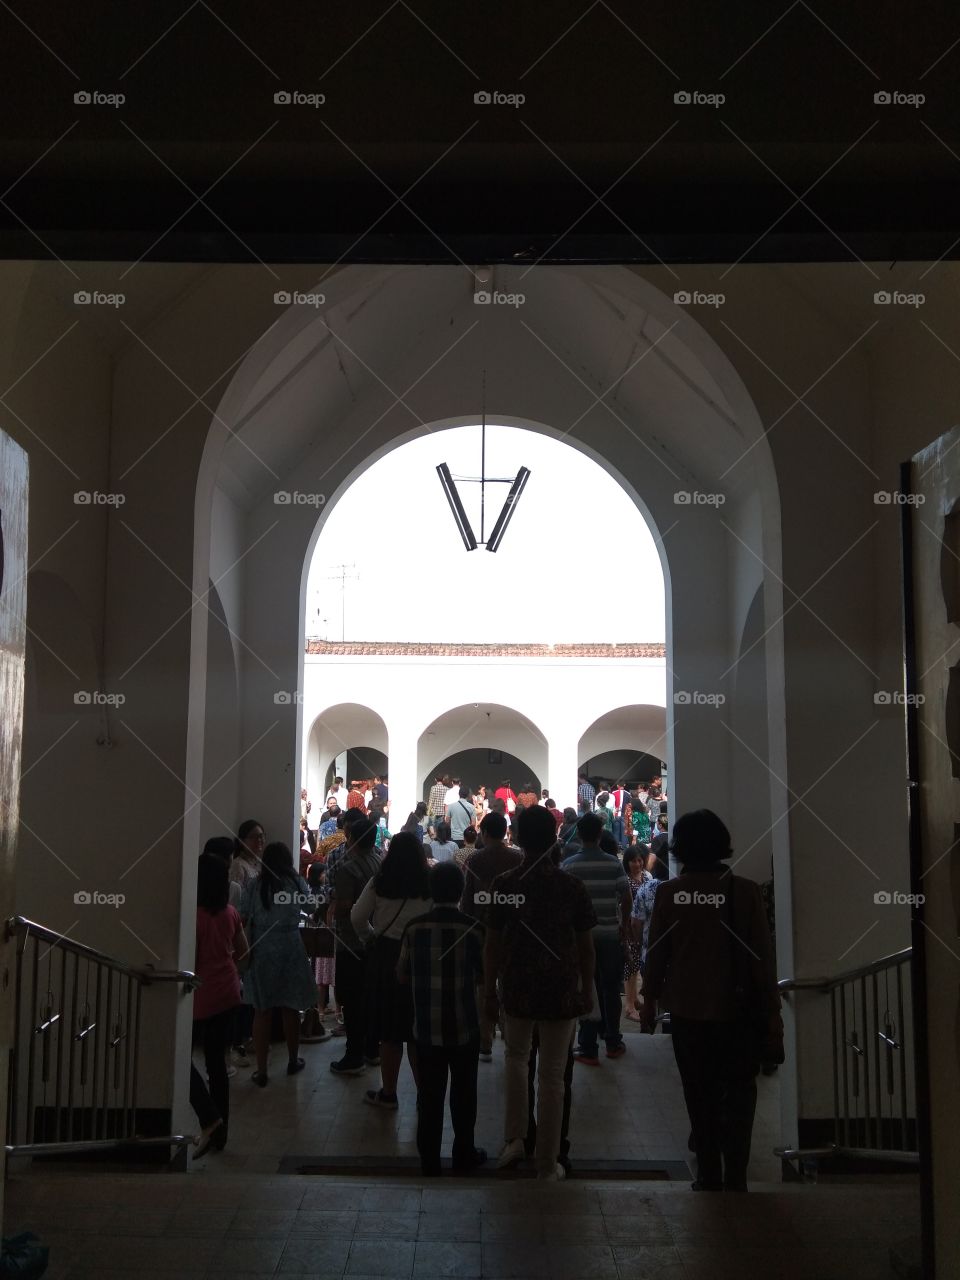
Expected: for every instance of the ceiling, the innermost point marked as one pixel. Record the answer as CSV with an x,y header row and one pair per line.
x,y
600,162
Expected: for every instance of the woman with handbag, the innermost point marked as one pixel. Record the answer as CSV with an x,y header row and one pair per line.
x,y
396,895
709,960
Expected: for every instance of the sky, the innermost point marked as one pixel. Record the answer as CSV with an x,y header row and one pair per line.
x,y
576,564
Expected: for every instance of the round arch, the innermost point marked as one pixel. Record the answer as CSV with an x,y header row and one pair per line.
x,y
604,359
638,727
335,730
489,727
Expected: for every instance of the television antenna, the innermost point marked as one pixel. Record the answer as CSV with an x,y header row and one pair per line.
x,y
342,574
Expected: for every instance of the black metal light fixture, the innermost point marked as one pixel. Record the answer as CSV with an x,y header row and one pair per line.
x,y
456,507
517,486
503,519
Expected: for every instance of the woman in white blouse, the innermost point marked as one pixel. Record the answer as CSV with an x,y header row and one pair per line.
x,y
389,901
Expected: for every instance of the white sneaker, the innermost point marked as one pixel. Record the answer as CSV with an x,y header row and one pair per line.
x,y
231,1071
513,1152
239,1058
557,1176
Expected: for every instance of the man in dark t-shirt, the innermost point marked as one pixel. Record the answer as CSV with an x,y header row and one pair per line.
x,y
481,869
540,945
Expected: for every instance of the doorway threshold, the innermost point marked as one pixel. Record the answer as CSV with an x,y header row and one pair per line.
x,y
409,1166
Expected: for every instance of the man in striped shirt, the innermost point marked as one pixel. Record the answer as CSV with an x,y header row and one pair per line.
x,y
606,881
441,956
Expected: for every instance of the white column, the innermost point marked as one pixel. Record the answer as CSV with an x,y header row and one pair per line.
x,y
404,785
562,765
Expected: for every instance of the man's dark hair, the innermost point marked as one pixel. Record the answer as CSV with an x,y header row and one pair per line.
x,y
470,835
494,825
609,845
440,777
466,793
536,830
589,827
699,839
446,882
362,836
549,804
352,816
340,780
219,847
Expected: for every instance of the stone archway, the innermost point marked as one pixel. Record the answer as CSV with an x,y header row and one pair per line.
x,y
604,361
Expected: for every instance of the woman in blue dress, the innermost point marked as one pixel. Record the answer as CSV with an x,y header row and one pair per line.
x,y
279,976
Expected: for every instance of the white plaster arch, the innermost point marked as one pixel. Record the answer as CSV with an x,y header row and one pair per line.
x,y
337,727
631,727
596,339
467,725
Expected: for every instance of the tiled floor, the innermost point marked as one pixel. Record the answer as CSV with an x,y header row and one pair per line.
x,y
248,1226
631,1107
233,1214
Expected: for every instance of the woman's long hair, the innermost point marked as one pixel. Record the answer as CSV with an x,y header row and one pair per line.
x,y
403,872
276,871
213,883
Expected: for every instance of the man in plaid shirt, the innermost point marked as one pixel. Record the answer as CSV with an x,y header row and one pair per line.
x,y
586,794
435,801
441,956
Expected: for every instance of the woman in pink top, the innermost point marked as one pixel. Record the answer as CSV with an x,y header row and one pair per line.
x,y
221,946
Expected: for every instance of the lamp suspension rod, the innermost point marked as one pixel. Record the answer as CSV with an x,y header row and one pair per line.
x,y
483,452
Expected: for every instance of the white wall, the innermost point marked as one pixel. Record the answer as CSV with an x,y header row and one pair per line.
x,y
410,693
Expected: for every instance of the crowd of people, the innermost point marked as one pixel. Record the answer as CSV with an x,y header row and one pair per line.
x,y
484,916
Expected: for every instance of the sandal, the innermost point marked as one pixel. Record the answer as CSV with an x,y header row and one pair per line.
x,y
260,1079
377,1098
206,1141
295,1065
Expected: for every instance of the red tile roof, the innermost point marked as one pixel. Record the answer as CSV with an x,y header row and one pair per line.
x,y
403,649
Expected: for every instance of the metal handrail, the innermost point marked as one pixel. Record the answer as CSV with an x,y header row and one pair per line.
x,y
874,1088
863,971
77,1047
20,926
